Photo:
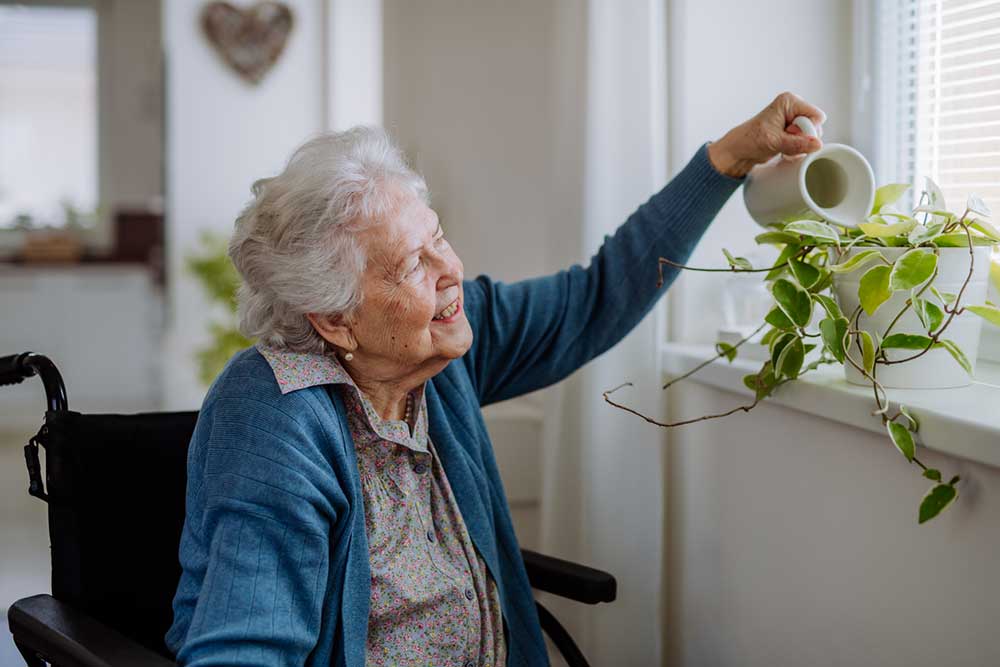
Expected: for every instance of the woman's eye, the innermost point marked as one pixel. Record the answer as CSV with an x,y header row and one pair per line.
x,y
415,268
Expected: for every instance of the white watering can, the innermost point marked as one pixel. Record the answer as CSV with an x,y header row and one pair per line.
x,y
835,183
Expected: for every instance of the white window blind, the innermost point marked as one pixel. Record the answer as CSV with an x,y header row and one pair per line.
x,y
939,99
958,85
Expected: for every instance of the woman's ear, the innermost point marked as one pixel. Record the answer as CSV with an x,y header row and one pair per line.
x,y
334,330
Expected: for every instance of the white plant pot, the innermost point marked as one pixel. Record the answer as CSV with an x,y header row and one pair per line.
x,y
936,369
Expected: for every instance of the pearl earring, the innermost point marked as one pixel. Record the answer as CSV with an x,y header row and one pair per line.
x,y
349,356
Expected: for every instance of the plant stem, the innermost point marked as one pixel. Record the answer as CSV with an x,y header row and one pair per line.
x,y
958,298
607,394
909,302
663,260
710,359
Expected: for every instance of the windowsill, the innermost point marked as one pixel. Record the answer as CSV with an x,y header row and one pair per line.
x,y
963,422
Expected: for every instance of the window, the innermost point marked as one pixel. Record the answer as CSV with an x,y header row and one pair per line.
x,y
934,88
958,93
928,100
48,116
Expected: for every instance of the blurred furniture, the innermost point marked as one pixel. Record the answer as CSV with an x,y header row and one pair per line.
x,y
85,315
115,487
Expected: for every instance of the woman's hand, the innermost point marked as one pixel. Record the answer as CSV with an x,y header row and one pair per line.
x,y
765,135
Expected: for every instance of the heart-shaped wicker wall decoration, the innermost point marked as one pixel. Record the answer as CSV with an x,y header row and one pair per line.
x,y
249,39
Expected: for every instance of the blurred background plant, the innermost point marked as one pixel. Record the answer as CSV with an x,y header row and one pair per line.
x,y
218,277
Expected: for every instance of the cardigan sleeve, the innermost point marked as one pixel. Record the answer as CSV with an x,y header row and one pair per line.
x,y
533,333
256,544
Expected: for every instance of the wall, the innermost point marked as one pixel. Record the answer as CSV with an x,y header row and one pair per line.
x,y
222,134
540,126
784,549
728,60
805,550
131,105
467,93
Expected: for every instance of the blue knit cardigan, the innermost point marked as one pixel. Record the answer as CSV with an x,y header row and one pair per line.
x,y
274,553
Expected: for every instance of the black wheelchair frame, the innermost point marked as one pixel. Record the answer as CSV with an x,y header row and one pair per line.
x,y
114,485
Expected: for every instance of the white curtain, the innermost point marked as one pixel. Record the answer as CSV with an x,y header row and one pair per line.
x,y
603,490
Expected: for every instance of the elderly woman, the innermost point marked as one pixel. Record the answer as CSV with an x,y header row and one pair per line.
x,y
343,501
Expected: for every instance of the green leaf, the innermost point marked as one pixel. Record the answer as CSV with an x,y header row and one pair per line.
x,y
762,383
856,262
790,359
725,349
914,422
902,439
933,474
888,194
874,290
921,234
778,344
867,351
912,269
936,500
738,262
882,230
777,319
977,206
936,211
989,313
819,231
777,238
954,480
929,313
960,240
793,301
986,228
944,297
788,252
770,334
829,305
834,331
934,195
904,341
957,353
806,274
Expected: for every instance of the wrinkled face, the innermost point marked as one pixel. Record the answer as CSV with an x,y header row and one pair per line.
x,y
412,316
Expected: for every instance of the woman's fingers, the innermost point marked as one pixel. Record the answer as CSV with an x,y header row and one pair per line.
x,y
794,144
792,105
768,133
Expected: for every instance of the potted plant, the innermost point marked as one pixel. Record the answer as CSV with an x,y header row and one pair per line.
x,y
898,302
219,279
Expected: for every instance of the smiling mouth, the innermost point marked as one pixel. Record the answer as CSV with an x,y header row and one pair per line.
x,y
449,311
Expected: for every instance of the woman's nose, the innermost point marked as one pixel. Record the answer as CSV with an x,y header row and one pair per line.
x,y
450,266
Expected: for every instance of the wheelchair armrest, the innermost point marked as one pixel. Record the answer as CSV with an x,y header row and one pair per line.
x,y
569,580
62,635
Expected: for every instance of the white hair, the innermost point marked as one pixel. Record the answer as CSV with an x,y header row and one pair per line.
x,y
295,244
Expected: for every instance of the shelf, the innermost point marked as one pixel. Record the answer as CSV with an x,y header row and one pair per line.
x,y
964,422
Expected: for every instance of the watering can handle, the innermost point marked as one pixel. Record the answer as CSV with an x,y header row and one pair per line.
x,y
806,125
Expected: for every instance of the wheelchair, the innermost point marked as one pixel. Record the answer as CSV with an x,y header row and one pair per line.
x,y
115,487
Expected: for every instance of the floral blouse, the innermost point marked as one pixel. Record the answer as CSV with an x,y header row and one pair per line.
x,y
433,601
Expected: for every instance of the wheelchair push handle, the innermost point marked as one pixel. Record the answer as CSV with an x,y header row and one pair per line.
x,y
15,368
12,370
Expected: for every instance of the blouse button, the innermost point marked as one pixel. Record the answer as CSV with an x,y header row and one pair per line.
x,y
468,663
420,468
469,594
430,535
